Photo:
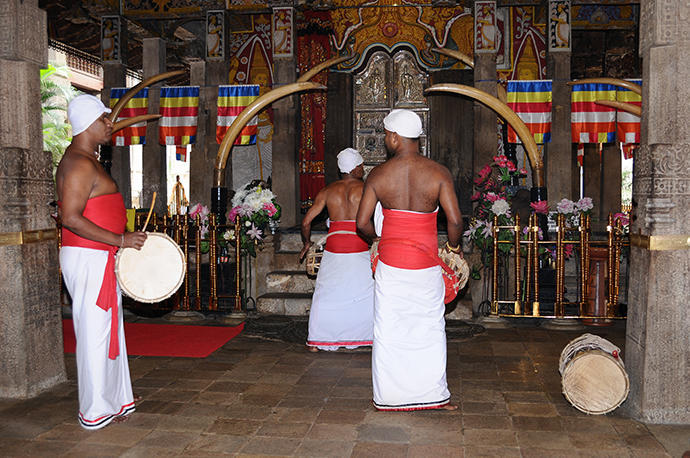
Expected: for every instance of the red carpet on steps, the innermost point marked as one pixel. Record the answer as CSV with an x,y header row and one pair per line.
x,y
165,339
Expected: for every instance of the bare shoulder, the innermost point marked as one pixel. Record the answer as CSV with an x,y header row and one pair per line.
x,y
376,173
74,165
439,171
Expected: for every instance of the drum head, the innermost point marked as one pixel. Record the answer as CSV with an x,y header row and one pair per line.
x,y
153,273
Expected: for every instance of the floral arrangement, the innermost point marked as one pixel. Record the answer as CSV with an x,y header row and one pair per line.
x,y
492,200
259,214
624,219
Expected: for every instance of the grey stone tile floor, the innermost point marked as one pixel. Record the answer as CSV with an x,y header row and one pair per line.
x,y
257,397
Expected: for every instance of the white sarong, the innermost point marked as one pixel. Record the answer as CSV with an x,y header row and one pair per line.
x,y
342,308
408,360
105,388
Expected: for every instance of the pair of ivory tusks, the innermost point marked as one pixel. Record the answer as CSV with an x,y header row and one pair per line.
x,y
629,107
131,93
509,115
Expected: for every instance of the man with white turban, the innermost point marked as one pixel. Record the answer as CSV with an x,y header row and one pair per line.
x,y
409,350
93,219
341,312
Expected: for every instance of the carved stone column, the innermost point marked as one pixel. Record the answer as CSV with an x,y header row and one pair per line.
x,y
154,165
120,170
658,328
485,79
31,354
203,154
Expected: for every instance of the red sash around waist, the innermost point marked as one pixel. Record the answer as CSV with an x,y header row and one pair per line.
x,y
345,243
108,212
419,228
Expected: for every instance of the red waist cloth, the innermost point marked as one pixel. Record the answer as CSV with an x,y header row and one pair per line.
x,y
108,212
417,228
345,243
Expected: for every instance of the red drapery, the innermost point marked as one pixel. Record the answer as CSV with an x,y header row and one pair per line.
x,y
313,48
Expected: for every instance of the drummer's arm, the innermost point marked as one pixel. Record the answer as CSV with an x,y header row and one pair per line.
x,y
76,188
314,211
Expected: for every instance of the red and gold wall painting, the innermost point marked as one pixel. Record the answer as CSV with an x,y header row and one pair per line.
x,y
313,47
381,24
525,48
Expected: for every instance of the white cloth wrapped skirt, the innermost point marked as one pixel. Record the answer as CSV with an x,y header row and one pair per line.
x,y
105,388
409,351
342,308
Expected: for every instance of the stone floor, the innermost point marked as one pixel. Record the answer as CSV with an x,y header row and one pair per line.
x,y
255,397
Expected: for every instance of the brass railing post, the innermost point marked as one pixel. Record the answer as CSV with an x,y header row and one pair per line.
x,y
238,258
213,297
494,279
535,264
197,260
518,286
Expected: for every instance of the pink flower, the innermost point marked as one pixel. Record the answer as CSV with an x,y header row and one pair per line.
x,y
492,197
485,172
476,196
585,204
233,213
523,171
270,208
622,217
511,166
501,160
540,207
566,206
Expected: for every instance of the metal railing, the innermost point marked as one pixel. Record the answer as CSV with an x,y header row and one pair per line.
x,y
526,252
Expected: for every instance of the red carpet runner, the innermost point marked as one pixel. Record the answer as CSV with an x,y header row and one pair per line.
x,y
165,339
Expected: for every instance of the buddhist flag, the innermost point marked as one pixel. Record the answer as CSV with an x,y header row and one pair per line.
x,y
531,100
179,107
231,101
137,105
590,122
627,124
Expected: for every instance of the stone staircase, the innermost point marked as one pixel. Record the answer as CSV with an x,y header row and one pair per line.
x,y
288,288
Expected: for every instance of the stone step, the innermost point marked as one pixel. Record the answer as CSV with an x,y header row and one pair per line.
x,y
289,281
287,261
291,241
293,304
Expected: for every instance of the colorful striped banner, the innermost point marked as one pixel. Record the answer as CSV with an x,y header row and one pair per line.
x,y
231,101
627,124
137,105
531,100
590,122
179,107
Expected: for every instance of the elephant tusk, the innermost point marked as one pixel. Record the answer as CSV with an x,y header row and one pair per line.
x,y
133,91
247,114
464,58
636,88
134,120
629,107
329,63
509,115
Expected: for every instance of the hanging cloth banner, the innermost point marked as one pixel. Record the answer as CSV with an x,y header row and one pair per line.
x,y
181,153
231,101
179,108
590,122
531,100
627,124
137,105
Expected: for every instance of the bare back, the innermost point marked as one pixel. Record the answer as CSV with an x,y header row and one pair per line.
x,y
342,199
409,183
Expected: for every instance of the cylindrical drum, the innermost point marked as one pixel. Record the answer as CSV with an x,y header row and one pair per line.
x,y
593,376
153,273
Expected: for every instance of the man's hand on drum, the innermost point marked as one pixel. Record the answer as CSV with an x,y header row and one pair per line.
x,y
304,251
134,239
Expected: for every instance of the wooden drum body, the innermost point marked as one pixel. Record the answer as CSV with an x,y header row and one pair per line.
x,y
153,273
594,380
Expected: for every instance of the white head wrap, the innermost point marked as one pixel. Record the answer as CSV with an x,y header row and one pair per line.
x,y
348,159
405,123
83,110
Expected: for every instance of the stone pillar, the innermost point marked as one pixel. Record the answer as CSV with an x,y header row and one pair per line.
x,y
658,327
216,74
485,79
203,155
559,159
31,353
120,170
154,165
285,122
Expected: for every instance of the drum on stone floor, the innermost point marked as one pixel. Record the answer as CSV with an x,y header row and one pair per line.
x,y
593,376
153,273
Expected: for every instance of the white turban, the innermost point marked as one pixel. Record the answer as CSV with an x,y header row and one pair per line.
x,y
348,159
405,123
83,110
